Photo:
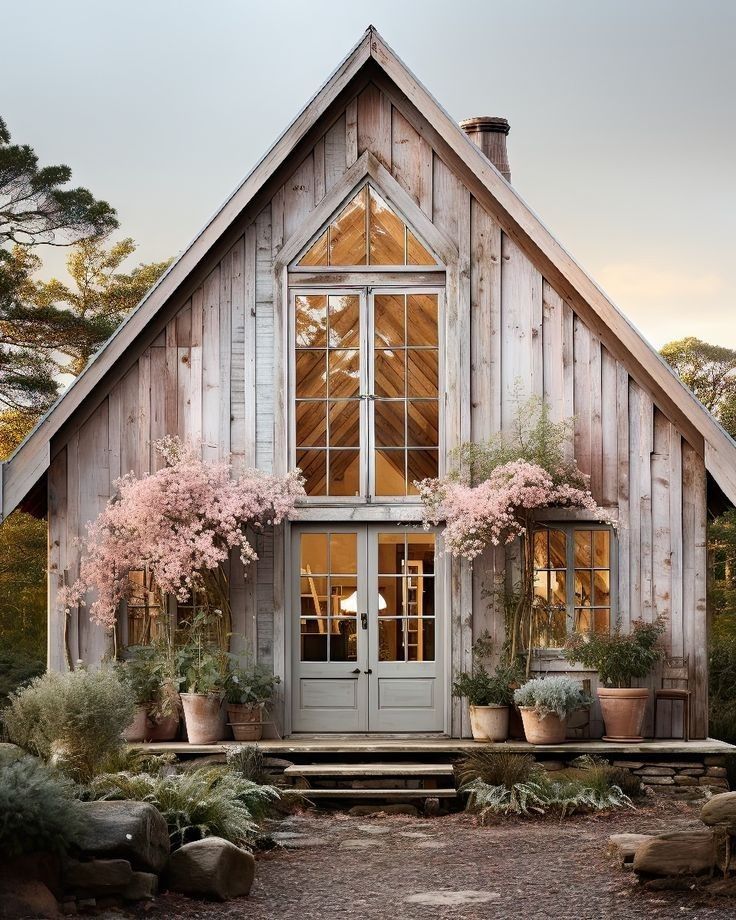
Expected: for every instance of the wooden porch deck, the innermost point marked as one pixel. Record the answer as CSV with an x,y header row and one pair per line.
x,y
357,745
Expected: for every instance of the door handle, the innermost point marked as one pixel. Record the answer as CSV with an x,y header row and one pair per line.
x,y
364,621
369,671
355,671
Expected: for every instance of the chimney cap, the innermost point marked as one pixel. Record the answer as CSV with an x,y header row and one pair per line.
x,y
490,123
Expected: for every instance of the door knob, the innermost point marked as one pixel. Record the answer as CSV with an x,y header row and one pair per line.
x,y
356,671
364,621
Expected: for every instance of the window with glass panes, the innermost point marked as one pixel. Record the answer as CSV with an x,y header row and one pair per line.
x,y
574,577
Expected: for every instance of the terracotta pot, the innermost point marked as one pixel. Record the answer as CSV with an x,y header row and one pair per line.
x,y
203,715
548,730
246,721
136,731
164,729
623,711
489,723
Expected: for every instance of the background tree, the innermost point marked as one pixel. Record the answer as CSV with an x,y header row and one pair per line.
x,y
710,372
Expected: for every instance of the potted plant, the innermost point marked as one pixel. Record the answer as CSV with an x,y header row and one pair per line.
x,y
247,692
546,703
202,667
489,697
620,658
150,671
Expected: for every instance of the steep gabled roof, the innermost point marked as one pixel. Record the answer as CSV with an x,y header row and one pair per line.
x,y
27,465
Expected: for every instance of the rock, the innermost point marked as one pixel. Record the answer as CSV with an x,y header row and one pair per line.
x,y
715,781
677,853
361,811
686,781
655,771
432,807
716,771
715,760
624,846
69,907
143,886
723,887
24,898
213,868
671,883
135,831
628,764
96,878
692,771
551,766
278,764
720,810
658,780
87,903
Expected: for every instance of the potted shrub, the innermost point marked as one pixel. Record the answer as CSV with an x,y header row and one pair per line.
x,y
202,667
489,697
546,703
247,692
620,658
150,671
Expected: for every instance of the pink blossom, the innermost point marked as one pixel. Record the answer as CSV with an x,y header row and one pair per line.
x,y
493,511
176,523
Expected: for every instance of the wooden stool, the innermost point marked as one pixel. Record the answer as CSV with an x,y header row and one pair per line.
x,y
675,670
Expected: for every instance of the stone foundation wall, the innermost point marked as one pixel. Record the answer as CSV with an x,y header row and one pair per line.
x,y
683,778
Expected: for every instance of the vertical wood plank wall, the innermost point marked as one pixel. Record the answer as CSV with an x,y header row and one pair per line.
x,y
211,375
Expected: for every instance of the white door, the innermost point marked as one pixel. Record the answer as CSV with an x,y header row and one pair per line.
x,y
366,630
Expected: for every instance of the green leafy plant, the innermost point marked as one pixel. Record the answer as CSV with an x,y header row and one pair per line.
x,y
208,802
38,810
619,658
151,672
78,716
250,685
560,695
481,688
201,664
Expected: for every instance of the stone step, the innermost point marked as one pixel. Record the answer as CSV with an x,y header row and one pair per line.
x,y
351,770
394,794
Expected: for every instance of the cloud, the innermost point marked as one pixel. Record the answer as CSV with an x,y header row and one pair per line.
x,y
632,282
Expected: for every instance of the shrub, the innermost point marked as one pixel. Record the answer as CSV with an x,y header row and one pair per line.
x,y
483,689
37,807
545,695
208,802
247,762
619,657
16,669
496,768
77,715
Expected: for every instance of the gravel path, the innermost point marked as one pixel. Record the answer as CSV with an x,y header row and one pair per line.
x,y
399,868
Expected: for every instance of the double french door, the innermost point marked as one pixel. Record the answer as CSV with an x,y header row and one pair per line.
x,y
366,627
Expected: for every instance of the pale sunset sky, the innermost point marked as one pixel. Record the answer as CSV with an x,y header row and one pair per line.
x,y
623,135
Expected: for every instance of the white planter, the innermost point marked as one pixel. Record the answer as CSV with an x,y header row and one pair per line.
x,y
489,723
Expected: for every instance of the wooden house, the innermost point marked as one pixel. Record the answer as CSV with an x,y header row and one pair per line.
x,y
366,300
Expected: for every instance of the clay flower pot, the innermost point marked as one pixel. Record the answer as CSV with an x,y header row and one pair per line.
x,y
548,730
203,715
489,723
136,731
246,721
164,729
623,711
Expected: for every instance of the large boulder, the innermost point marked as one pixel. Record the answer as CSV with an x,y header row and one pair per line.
x,y
720,810
143,886
135,831
677,853
26,898
211,868
97,878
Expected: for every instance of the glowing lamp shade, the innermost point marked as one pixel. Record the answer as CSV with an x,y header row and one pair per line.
x,y
350,604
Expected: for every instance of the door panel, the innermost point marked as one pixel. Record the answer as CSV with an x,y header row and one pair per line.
x,y
329,645
367,630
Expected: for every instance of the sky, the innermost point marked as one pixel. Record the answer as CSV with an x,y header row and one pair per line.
x,y
623,136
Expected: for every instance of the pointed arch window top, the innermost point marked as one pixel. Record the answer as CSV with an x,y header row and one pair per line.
x,y
367,232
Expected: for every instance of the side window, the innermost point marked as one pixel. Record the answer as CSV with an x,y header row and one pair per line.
x,y
573,567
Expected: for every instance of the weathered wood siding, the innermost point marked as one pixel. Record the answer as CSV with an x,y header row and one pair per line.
x,y
214,368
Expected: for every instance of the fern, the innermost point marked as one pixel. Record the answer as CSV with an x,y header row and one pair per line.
x,y
519,799
203,803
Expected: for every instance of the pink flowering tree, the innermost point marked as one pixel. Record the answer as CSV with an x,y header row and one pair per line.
x,y
179,525
493,494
